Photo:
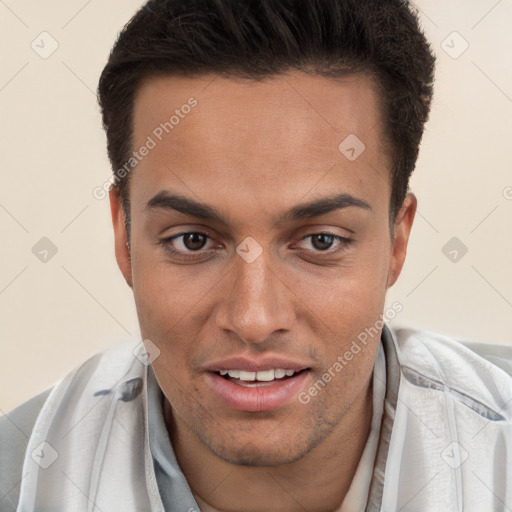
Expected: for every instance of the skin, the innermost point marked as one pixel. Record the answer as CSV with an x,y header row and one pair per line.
x,y
253,151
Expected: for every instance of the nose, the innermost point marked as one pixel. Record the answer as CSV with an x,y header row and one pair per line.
x,y
257,303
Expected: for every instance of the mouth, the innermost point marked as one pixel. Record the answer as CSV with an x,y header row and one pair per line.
x,y
260,378
257,391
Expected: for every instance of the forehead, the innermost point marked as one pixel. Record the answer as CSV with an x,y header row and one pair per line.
x,y
288,134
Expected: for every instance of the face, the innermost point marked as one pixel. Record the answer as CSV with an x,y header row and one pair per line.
x,y
258,244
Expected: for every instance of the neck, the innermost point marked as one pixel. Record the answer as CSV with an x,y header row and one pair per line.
x,y
318,481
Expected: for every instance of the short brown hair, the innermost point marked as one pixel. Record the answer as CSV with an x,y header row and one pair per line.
x,y
259,38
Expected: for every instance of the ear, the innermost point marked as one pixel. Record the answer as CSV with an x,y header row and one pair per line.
x,y
402,230
120,236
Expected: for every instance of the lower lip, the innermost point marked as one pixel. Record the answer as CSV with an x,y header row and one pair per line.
x,y
260,398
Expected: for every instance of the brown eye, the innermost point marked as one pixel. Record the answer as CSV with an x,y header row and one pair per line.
x,y
322,241
324,245
194,241
187,245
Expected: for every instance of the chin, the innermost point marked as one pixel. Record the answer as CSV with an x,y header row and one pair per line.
x,y
261,452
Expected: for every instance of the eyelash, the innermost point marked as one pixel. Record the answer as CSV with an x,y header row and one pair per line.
x,y
166,244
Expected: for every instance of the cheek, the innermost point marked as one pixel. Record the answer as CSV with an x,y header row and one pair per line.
x,y
162,313
342,309
167,296
351,294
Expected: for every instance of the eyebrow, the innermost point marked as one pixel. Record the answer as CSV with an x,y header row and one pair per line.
x,y
166,200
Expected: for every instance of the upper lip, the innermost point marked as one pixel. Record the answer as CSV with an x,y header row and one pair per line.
x,y
256,365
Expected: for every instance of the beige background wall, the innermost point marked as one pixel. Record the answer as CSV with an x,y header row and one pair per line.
x,y
56,313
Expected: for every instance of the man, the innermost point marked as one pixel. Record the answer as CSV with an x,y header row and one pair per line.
x,y
261,155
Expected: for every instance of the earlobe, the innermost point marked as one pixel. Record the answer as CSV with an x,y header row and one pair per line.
x,y
402,230
122,249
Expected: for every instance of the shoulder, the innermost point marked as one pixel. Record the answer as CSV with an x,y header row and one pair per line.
x,y
499,355
101,371
440,348
477,370
15,430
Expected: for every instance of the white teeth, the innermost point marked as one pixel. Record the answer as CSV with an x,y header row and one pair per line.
x,y
246,375
263,376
